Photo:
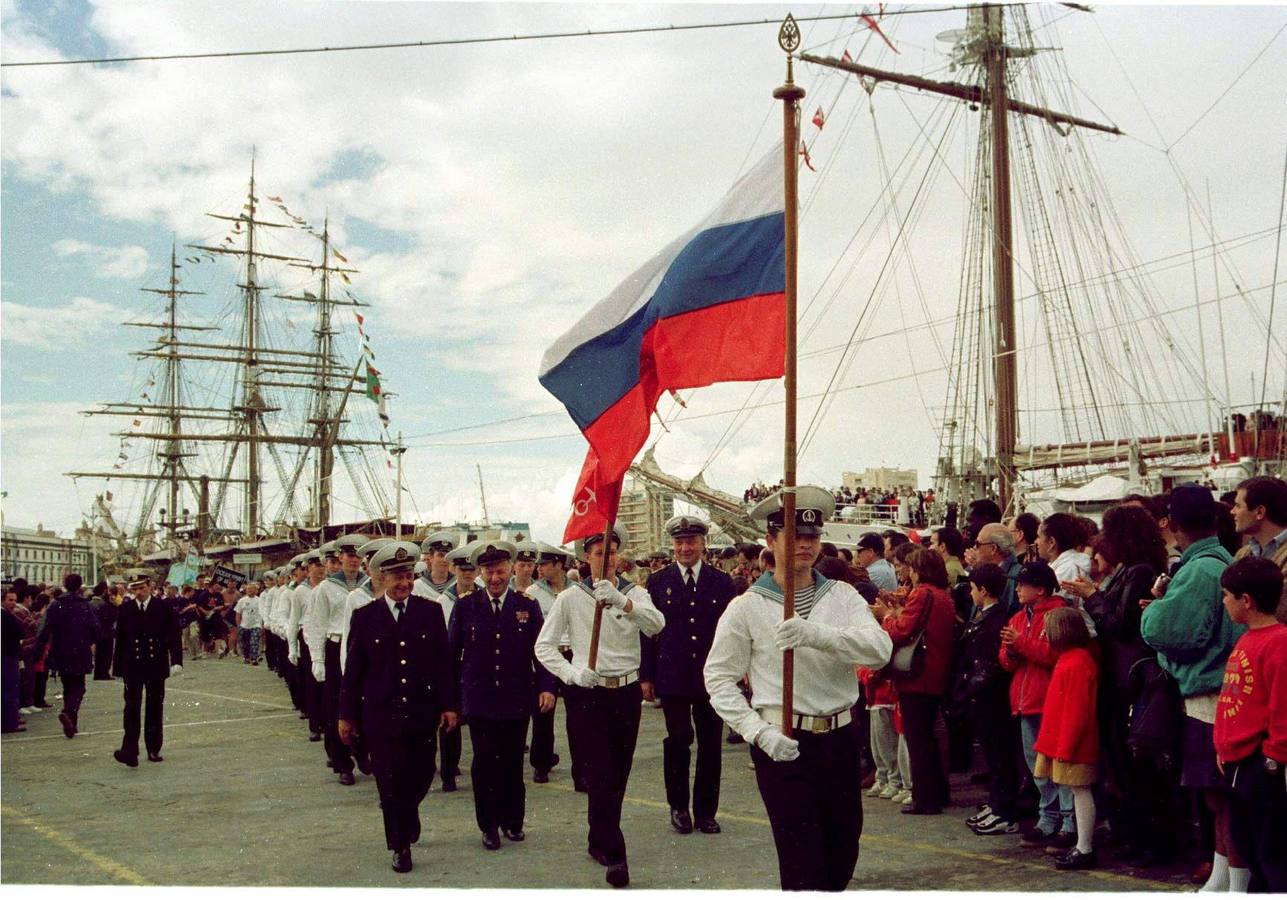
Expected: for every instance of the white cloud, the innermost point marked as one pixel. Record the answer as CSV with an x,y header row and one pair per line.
x,y
60,327
127,263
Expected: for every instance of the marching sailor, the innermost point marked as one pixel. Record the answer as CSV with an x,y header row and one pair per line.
x,y
283,610
551,565
603,703
301,651
811,782
463,571
149,649
525,553
367,590
323,629
492,635
398,688
437,575
692,596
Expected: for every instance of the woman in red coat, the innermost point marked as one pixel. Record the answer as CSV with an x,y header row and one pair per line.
x,y
1068,743
920,693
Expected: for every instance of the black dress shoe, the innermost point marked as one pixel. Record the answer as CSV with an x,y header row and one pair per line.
x,y
448,785
915,810
708,826
491,840
514,834
346,779
681,821
1075,859
69,727
131,761
402,860
541,777
599,856
618,875
155,757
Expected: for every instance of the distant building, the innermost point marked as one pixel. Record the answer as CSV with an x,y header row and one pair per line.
x,y
41,556
643,511
881,479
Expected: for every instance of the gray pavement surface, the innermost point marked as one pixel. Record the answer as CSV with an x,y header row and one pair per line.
x,y
243,798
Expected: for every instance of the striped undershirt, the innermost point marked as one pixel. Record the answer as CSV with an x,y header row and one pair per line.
x,y
805,598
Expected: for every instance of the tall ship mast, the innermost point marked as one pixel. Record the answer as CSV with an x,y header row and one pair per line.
x,y
261,462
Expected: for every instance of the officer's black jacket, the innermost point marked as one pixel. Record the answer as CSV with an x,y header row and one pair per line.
x,y
398,677
673,659
496,657
147,643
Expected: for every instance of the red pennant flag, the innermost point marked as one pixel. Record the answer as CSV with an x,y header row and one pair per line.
x,y
845,57
871,23
819,119
804,151
593,504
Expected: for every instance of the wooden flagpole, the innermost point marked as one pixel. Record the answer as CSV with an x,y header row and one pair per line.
x,y
598,607
790,94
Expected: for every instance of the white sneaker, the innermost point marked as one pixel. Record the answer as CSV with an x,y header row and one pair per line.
x,y
890,791
903,796
983,813
907,801
875,789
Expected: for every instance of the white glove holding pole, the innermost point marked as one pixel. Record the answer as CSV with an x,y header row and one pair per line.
x,y
606,593
319,671
800,632
777,745
176,670
586,678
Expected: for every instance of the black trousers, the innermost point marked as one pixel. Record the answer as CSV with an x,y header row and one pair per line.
x,y
606,724
543,757
814,805
929,783
687,717
73,693
403,769
340,756
269,641
450,744
569,697
500,797
152,715
1258,817
291,673
998,734
103,659
310,689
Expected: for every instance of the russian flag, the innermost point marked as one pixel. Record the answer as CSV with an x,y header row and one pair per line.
x,y
709,307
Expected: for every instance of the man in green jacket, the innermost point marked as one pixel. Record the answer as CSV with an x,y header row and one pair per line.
x,y
1193,635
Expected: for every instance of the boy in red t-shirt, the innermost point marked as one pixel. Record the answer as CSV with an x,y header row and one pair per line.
x,y
1251,723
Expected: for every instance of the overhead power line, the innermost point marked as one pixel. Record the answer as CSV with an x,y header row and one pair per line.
x,y
456,42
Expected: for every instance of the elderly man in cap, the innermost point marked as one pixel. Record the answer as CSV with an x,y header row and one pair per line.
x,y
399,687
603,701
323,628
437,576
149,649
692,596
493,636
551,564
811,782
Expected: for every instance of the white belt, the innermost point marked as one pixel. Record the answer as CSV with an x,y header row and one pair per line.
x,y
618,681
811,724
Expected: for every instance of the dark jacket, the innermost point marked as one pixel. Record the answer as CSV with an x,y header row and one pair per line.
x,y
931,608
1116,612
398,677
11,637
147,644
496,656
71,628
978,679
107,615
673,658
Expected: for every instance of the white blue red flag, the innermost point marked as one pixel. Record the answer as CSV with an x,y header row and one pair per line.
x,y
710,307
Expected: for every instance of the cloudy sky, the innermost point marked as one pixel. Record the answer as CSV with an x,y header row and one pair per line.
x,y
489,193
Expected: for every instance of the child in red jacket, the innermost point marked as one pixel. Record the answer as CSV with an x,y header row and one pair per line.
x,y
1068,743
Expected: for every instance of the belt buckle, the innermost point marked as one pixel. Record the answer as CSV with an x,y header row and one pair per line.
x,y
610,681
1272,766
821,725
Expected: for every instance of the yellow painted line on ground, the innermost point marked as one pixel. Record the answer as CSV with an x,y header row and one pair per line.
x,y
891,840
168,726
110,866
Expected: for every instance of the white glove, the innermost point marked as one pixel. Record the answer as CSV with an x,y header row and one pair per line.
x,y
777,745
800,632
176,670
606,593
586,678
319,671
293,658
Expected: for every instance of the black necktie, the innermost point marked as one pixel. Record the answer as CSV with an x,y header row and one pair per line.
x,y
496,605
399,606
688,580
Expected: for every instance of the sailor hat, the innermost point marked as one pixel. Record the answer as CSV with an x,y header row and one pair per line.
x,y
367,550
685,526
395,556
618,532
329,550
527,551
313,556
659,554
350,543
550,553
421,567
297,559
460,556
139,581
812,506
439,540
486,552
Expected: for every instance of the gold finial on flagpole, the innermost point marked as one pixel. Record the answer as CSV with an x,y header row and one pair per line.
x,y
789,41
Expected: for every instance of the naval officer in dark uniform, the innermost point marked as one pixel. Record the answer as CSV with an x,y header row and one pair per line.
x,y
811,782
149,649
398,687
692,596
493,635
